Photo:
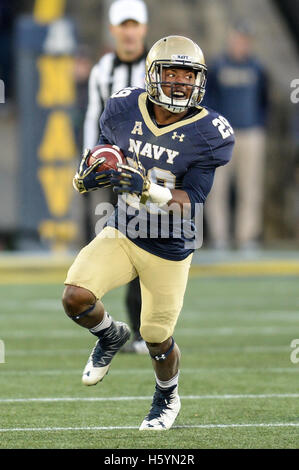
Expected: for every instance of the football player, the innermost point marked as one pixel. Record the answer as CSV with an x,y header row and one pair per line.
x,y
173,146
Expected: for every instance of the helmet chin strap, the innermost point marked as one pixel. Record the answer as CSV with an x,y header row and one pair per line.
x,y
173,109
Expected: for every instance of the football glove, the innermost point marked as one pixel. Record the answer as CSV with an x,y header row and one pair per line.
x,y
131,180
87,178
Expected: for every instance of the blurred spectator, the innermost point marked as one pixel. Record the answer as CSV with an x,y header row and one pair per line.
x,y
238,88
122,68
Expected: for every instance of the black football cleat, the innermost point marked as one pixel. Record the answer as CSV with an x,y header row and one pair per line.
x,y
105,349
164,410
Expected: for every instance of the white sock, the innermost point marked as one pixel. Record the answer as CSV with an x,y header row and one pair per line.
x,y
168,383
105,323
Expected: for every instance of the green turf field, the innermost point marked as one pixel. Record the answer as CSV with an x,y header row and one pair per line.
x,y
238,386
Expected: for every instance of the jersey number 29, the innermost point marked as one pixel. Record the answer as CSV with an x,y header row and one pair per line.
x,y
223,126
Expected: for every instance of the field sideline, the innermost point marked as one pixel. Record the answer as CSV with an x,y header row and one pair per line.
x,y
51,269
238,386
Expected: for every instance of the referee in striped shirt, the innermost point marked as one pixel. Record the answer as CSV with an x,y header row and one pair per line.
x,y
116,70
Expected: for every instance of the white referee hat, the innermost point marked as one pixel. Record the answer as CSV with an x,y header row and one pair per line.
x,y
123,10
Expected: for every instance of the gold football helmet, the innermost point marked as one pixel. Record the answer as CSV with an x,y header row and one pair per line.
x,y
175,52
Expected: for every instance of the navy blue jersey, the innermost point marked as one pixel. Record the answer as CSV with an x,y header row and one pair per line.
x,y
182,155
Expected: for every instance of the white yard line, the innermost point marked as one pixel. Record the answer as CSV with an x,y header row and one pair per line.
x,y
134,398
186,426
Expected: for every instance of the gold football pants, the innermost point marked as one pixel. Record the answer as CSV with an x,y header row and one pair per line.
x,y
112,260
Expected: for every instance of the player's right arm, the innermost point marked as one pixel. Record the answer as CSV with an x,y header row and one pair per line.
x,y
196,186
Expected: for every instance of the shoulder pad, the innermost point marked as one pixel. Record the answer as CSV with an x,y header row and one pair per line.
x,y
216,126
123,99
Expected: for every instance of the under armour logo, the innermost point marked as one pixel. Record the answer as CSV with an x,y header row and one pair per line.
x,y
162,357
176,136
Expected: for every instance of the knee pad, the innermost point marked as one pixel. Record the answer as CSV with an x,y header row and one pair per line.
x,y
154,333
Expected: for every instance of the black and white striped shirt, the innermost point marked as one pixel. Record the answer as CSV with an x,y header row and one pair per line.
x,y
109,75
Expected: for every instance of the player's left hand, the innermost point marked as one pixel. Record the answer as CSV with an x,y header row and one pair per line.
x,y
88,178
130,180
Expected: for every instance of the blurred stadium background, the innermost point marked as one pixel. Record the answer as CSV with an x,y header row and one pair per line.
x,y
45,88
41,217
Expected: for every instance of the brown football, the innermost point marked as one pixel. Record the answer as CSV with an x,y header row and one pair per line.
x,y
112,153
